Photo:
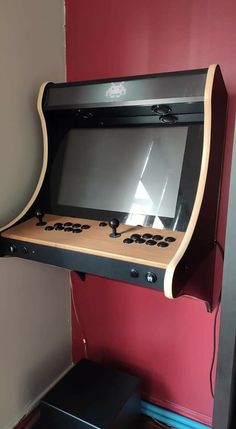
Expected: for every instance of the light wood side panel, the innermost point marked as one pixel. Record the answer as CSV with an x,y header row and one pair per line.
x,y
96,240
168,280
44,162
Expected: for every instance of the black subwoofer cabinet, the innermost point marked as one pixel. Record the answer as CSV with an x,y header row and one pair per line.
x,y
92,395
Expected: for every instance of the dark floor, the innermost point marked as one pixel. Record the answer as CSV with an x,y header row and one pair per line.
x,y
148,423
144,423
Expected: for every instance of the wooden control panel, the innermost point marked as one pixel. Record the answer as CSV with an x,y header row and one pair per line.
x,y
152,247
138,255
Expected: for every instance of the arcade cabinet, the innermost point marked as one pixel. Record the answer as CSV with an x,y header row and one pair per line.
x,y
130,180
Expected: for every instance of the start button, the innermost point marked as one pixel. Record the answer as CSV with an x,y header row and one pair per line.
x,y
151,277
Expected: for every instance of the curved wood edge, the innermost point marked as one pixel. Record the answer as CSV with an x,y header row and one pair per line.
x,y
44,163
168,279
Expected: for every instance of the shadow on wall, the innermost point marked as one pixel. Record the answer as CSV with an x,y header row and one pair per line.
x,y
148,381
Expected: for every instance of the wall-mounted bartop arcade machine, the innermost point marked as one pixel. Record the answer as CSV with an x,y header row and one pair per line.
x,y
130,179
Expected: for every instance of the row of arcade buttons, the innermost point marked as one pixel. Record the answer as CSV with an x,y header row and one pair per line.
x,y
67,227
149,240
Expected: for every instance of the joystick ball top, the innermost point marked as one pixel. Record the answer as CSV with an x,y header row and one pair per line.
x,y
114,223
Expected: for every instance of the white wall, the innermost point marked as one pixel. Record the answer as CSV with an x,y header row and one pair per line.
x,y
35,344
35,337
31,51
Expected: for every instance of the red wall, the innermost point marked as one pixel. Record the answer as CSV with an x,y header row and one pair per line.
x,y
168,343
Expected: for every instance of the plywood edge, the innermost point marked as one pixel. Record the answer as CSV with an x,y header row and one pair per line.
x,y
168,279
44,163
95,252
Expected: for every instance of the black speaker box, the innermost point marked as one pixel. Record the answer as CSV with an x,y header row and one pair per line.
x,y
89,396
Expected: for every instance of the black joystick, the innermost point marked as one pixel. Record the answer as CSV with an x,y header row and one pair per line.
x,y
39,214
114,223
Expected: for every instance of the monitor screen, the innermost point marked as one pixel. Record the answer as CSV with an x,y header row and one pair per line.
x,y
134,170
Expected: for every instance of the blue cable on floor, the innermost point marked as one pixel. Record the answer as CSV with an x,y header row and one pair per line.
x,y
170,418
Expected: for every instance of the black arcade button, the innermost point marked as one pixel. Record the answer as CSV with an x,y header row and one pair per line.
x,y
170,239
103,224
139,240
157,237
59,227
151,242
135,236
128,241
162,244
147,236
49,228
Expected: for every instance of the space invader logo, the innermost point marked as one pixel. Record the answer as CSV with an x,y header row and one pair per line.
x,y
116,90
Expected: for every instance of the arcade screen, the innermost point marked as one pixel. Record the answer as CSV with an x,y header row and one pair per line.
x,y
133,170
